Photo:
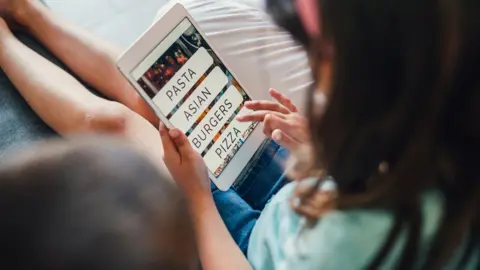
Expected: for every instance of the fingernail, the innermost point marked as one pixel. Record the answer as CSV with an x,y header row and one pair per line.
x,y
174,133
277,136
240,117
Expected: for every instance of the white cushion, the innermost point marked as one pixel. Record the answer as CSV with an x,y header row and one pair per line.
x,y
261,54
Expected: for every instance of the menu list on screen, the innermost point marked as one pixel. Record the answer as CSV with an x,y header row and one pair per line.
x,y
197,93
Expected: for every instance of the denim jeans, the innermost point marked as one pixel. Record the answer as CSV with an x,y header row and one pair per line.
x,y
241,206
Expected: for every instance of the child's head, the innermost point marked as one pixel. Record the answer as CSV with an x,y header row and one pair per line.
x,y
91,205
403,114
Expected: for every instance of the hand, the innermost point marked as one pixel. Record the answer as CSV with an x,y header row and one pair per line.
x,y
185,165
282,121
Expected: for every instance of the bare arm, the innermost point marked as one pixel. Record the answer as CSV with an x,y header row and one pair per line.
x,y
53,94
218,250
66,105
91,58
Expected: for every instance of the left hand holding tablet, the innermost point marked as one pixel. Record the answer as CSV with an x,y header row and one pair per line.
x,y
185,165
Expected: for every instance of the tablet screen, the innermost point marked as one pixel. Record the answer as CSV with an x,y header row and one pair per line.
x,y
197,93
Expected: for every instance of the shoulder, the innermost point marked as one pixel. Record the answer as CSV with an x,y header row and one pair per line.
x,y
340,240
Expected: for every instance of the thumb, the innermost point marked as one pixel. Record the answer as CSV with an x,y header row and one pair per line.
x,y
284,140
170,151
181,142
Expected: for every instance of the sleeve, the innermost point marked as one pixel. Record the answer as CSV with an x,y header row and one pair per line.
x,y
260,54
261,250
273,228
345,240
340,240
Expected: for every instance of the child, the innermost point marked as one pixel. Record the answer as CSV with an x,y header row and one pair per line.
x,y
400,134
91,205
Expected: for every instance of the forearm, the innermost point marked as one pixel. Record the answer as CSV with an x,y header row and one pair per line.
x,y
87,56
217,248
53,94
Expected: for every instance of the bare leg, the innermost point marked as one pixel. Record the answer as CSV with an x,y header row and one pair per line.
x,y
65,105
89,57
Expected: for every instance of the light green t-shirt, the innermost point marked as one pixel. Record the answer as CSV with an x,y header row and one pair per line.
x,y
340,240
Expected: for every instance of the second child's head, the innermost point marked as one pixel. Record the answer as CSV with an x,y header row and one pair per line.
x,y
91,205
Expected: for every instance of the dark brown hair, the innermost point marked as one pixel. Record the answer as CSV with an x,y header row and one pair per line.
x,y
92,204
405,92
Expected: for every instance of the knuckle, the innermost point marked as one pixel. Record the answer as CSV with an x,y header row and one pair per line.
x,y
292,124
266,131
268,120
293,119
193,155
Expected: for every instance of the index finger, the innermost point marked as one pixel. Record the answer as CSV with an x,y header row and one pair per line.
x,y
266,105
258,116
284,100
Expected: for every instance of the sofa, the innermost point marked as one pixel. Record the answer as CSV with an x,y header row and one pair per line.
x,y
259,53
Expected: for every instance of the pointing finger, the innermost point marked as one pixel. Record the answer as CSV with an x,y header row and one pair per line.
x,y
284,100
266,105
258,116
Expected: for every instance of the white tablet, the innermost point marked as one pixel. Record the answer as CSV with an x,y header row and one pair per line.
x,y
188,85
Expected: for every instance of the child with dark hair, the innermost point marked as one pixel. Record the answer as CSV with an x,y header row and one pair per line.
x,y
399,130
91,205
393,116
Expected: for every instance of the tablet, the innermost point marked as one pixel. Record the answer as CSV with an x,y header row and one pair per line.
x,y
188,85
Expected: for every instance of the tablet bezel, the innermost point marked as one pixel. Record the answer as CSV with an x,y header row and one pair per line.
x,y
172,15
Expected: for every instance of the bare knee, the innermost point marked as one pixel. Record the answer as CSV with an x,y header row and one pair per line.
x,y
111,118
